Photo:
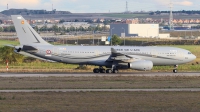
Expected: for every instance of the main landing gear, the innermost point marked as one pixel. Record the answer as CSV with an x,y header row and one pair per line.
x,y
102,70
112,71
175,69
99,70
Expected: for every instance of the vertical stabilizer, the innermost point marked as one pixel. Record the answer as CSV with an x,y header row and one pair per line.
x,y
26,34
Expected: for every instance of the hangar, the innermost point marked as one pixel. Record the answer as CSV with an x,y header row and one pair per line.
x,y
131,30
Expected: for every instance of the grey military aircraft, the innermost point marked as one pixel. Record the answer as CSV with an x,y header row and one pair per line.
x,y
111,57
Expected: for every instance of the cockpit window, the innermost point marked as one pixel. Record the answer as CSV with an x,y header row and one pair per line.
x,y
189,53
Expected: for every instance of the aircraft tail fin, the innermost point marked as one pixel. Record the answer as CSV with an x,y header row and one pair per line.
x,y
26,34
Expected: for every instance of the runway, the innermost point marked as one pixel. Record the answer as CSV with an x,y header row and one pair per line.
x,y
148,74
104,90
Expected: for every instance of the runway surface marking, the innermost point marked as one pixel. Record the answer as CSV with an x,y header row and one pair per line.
x,y
104,90
95,75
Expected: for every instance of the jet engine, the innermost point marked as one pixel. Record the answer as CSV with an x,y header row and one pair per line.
x,y
17,50
141,65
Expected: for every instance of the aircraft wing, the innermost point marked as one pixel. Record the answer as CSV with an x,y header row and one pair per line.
x,y
120,57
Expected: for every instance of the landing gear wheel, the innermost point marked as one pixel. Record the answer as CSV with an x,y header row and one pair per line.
x,y
102,70
108,71
175,71
115,71
96,70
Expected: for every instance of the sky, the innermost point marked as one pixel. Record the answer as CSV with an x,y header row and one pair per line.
x,y
100,6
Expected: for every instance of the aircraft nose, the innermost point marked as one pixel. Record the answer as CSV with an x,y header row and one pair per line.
x,y
193,57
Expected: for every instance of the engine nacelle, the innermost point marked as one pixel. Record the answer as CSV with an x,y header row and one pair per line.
x,y
17,50
141,65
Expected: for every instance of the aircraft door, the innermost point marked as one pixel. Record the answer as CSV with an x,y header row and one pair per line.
x,y
154,53
97,52
181,54
56,51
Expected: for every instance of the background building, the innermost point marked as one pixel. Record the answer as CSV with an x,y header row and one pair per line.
x,y
141,30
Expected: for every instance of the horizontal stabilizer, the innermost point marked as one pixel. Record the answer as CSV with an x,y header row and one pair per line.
x,y
10,46
29,48
30,55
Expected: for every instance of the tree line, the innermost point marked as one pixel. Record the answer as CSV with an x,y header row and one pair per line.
x,y
105,22
55,28
8,54
7,29
180,12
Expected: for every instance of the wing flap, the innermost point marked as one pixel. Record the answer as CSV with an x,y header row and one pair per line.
x,y
120,57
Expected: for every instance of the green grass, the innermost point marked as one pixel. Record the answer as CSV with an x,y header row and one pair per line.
x,y
39,65
8,42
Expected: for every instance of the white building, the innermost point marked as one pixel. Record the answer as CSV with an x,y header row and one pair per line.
x,y
144,30
141,30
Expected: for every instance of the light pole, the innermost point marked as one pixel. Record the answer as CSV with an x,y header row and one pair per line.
x,y
111,35
185,34
199,35
124,35
148,34
76,35
63,40
93,36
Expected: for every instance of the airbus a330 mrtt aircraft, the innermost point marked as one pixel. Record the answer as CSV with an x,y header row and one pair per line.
x,y
111,57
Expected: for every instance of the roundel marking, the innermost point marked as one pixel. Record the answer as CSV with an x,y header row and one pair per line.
x,y
48,51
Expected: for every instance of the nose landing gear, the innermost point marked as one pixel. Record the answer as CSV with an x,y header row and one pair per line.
x,y
175,69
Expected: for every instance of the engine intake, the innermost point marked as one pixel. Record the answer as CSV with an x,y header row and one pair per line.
x,y
17,50
141,65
